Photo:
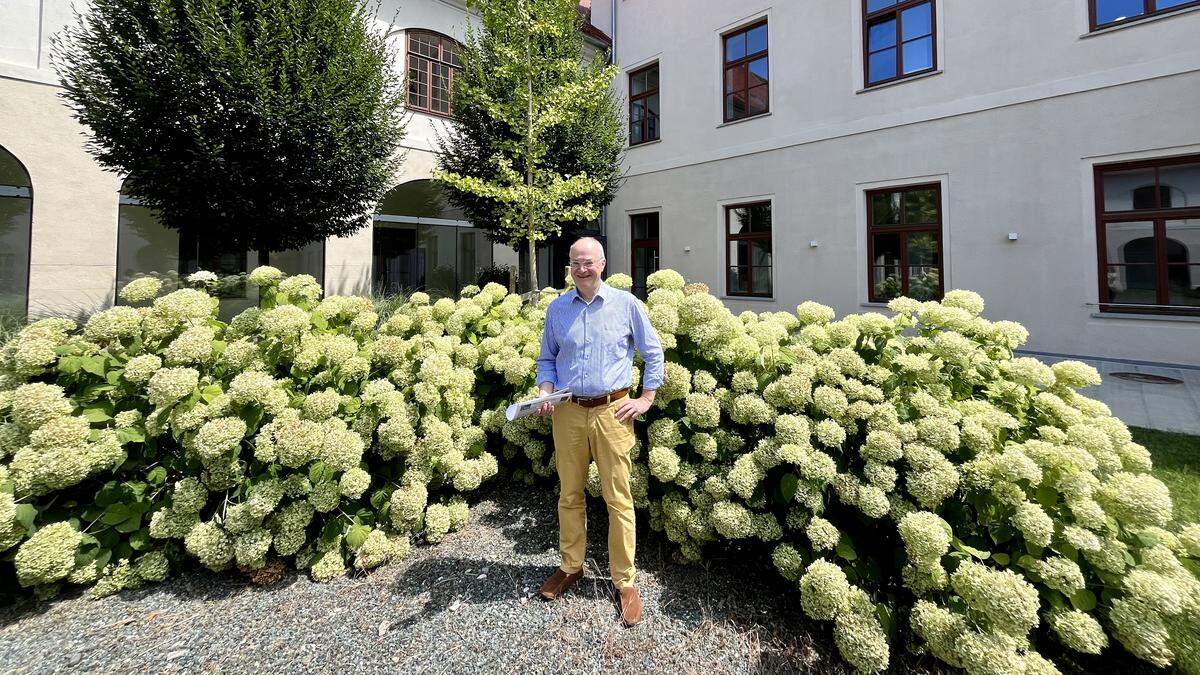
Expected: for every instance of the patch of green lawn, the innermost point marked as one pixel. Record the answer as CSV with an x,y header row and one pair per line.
x,y
1176,463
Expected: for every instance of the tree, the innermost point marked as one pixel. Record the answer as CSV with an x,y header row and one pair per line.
x,y
537,138
263,124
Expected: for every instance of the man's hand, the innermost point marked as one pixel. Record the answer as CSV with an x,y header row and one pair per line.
x,y
546,409
632,408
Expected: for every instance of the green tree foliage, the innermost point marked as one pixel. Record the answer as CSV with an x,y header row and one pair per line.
x,y
537,139
267,124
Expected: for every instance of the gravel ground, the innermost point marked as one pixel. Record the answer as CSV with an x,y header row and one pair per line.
x,y
466,605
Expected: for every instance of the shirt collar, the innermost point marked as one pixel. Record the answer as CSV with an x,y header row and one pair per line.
x,y
601,292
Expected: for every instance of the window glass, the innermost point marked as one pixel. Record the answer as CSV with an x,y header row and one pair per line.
x,y
882,65
1121,188
916,22
899,41
881,34
904,227
16,218
875,5
409,254
920,206
745,81
758,72
756,40
885,208
918,55
1183,261
432,60
1108,11
1179,186
1130,242
735,47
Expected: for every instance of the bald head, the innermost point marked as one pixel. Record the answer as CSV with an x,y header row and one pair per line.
x,y
587,246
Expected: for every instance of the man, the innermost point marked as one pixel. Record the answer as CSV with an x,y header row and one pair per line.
x,y
587,345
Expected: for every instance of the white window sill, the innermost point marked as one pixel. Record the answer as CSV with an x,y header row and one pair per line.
x,y
746,298
874,305
896,83
643,144
1139,22
745,119
1128,316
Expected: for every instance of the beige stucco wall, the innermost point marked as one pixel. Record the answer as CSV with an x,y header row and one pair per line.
x,y
74,237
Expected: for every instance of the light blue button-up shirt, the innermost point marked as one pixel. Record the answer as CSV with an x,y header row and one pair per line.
x,y
589,346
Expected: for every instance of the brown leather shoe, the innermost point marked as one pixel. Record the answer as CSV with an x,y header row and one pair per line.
x,y
558,583
631,606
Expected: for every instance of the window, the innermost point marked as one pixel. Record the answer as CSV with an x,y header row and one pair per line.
x,y
645,250
748,240
420,242
898,39
1148,236
432,61
16,221
643,105
904,243
1105,13
746,78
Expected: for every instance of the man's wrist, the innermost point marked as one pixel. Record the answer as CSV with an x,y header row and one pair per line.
x,y
649,394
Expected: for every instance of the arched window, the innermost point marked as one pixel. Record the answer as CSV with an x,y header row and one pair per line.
x,y
16,218
421,243
433,60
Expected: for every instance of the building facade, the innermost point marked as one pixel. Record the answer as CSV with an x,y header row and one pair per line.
x,y
69,238
1043,154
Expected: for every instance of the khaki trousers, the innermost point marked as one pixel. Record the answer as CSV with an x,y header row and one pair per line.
x,y
580,435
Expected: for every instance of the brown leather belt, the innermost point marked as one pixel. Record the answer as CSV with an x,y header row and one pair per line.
x,y
593,401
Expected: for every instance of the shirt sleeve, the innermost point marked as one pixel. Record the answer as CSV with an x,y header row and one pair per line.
x,y
648,345
547,367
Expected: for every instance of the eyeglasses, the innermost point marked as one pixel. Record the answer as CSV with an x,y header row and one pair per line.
x,y
583,264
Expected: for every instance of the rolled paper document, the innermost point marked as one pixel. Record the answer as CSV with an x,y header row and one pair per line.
x,y
523,408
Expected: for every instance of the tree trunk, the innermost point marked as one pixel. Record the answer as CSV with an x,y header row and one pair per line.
x,y
532,253
529,141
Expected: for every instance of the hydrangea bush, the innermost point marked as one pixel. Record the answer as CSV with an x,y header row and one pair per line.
x,y
922,486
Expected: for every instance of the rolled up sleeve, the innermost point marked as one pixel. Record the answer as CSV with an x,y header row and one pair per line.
x,y
547,362
645,338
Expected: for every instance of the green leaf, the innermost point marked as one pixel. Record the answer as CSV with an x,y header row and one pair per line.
x,y
1084,600
1047,496
140,540
93,365
157,475
130,524
131,435
96,414
211,392
115,514
357,535
1001,558
787,487
971,550
845,549
26,513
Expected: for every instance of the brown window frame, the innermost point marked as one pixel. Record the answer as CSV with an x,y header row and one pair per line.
x,y
897,9
750,236
645,95
429,62
744,61
635,244
904,231
1158,217
1150,8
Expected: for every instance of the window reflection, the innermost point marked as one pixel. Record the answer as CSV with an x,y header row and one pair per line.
x,y
16,216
